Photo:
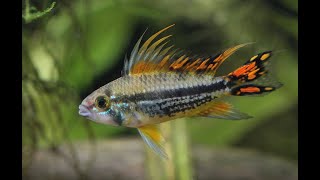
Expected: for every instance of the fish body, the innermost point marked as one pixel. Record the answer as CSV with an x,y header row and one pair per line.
x,y
159,85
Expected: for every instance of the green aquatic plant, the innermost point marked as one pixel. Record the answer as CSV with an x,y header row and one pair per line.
x,y
31,13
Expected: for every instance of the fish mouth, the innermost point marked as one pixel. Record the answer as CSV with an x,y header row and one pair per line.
x,y
84,111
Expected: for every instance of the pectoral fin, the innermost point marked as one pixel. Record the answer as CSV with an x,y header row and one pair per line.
x,y
223,110
152,136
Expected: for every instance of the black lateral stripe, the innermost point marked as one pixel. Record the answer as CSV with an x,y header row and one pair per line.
x,y
179,92
117,119
169,107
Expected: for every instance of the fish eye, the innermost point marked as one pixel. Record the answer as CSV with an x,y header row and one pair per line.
x,y
102,103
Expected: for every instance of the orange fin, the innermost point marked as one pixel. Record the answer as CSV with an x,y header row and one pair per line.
x,y
151,135
252,69
207,65
253,78
223,110
153,57
223,56
251,89
147,55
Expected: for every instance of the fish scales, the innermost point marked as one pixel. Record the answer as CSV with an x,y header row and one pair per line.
x,y
158,84
163,85
177,94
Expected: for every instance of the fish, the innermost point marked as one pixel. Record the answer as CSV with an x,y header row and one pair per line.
x,y
160,84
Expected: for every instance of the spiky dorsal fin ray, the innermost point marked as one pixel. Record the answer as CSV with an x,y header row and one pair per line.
x,y
152,136
227,53
153,57
207,65
140,54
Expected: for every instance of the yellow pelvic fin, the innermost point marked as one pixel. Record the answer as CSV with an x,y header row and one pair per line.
x,y
152,137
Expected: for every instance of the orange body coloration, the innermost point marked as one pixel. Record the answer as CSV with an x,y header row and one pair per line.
x,y
250,89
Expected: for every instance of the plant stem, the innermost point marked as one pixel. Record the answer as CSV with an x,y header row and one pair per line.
x,y
178,165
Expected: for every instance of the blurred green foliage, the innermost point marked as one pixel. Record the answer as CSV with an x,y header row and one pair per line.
x,y
30,13
80,45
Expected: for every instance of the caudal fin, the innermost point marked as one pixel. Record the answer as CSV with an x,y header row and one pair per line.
x,y
251,78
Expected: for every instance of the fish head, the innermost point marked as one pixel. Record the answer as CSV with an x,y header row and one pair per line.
x,y
99,108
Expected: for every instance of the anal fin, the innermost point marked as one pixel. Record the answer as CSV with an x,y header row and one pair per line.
x,y
152,136
223,110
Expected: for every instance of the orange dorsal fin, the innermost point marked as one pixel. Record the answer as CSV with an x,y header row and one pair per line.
x,y
147,57
207,65
154,57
